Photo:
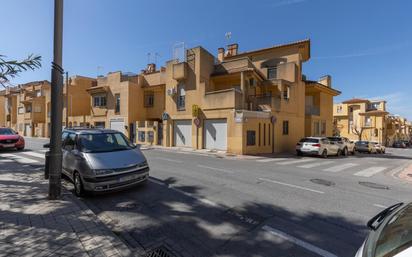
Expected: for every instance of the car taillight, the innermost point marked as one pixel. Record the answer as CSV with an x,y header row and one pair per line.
x,y
316,145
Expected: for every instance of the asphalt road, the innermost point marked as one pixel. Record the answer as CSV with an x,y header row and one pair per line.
x,y
196,205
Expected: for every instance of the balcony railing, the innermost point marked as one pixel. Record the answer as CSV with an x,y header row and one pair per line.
x,y
223,99
312,110
258,101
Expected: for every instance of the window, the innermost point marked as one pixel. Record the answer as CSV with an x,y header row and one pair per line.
x,y
149,99
285,127
259,135
21,110
100,124
117,103
70,142
286,92
251,137
181,97
316,128
264,134
323,128
375,132
38,93
368,121
28,108
272,73
99,101
141,135
339,109
269,143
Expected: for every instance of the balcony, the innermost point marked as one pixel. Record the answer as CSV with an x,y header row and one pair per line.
x,y
286,71
223,99
179,71
233,66
265,102
312,110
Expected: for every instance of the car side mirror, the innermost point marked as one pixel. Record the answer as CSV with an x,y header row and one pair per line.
x,y
17,133
46,145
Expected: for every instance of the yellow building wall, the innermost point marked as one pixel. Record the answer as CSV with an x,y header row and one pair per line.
x,y
2,111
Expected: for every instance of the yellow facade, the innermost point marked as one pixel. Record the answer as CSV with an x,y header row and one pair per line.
x,y
361,119
3,116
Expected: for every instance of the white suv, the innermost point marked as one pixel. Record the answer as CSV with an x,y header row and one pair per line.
x,y
317,146
345,145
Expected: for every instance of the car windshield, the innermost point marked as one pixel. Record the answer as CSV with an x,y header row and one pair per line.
x,y
6,131
309,140
396,236
362,142
103,142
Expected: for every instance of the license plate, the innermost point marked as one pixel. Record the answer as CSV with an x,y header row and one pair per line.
x,y
8,145
122,179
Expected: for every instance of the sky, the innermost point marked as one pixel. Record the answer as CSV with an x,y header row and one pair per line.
x,y
365,45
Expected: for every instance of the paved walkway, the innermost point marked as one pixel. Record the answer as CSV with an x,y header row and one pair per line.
x,y
32,225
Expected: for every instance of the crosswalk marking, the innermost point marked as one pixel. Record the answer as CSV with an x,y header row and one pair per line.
x,y
341,167
24,160
7,155
34,154
273,160
369,171
316,164
43,150
6,160
296,161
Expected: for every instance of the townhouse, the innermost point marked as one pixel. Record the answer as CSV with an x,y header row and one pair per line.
x,y
250,102
361,119
3,117
398,128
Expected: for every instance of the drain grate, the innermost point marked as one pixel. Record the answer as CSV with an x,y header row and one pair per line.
x,y
373,185
160,252
322,182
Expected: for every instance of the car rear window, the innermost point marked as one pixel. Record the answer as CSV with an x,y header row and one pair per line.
x,y
309,140
362,142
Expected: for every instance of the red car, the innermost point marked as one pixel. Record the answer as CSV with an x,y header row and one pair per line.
x,y
9,139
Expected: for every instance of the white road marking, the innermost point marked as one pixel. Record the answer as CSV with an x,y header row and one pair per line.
x,y
369,172
380,206
208,202
8,155
34,154
298,242
296,161
272,160
25,160
341,167
43,150
290,185
167,159
312,165
216,169
6,160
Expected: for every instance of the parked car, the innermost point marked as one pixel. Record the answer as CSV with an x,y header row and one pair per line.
x,y
101,160
379,148
407,143
9,139
346,146
399,144
365,147
317,146
390,233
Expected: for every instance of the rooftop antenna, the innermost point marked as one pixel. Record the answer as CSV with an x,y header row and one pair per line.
x,y
155,57
228,36
179,51
148,57
99,69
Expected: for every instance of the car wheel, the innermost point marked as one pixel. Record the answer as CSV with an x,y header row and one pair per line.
x,y
354,151
78,185
345,152
339,153
20,149
325,154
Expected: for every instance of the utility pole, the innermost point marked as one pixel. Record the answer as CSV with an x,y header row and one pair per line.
x,y
67,99
55,167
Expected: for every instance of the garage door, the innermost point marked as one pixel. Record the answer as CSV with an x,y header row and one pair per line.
x,y
182,133
117,125
216,134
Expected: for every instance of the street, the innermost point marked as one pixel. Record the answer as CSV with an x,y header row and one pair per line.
x,y
201,205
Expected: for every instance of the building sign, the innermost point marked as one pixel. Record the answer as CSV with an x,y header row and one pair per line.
x,y
165,116
195,110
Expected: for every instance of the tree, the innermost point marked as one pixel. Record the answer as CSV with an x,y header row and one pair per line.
x,y
11,68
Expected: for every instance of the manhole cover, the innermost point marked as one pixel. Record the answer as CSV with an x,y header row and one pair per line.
x,y
322,182
373,185
160,252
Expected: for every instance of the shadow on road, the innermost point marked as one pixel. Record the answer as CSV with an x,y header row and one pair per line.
x,y
155,215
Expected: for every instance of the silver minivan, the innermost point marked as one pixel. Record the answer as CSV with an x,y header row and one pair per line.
x,y
101,160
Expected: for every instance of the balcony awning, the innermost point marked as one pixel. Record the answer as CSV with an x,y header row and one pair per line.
x,y
98,89
374,113
317,87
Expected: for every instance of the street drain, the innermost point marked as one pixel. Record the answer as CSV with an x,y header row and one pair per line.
x,y
373,185
322,182
160,252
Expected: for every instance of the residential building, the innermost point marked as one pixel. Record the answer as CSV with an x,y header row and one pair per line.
x,y
10,107
243,103
319,107
361,119
31,108
3,117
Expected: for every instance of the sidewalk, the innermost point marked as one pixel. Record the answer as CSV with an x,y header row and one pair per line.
x,y
215,153
32,225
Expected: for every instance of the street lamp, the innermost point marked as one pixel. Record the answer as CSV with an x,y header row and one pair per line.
x,y
55,168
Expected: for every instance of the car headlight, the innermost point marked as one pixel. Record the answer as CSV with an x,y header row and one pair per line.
x,y
103,172
143,164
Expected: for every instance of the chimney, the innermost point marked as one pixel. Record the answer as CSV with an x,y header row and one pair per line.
x,y
151,67
220,54
232,49
326,81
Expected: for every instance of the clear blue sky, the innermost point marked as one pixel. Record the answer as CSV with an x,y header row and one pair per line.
x,y
365,45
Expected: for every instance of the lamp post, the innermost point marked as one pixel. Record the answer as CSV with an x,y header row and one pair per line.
x,y
55,167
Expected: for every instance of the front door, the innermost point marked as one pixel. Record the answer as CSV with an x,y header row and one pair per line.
x,y
27,130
